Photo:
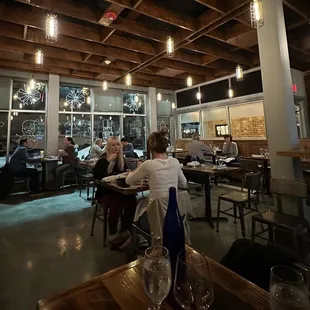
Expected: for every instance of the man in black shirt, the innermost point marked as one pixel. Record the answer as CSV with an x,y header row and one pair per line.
x,y
19,168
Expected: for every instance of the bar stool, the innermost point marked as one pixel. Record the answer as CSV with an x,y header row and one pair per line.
x,y
69,174
88,179
240,200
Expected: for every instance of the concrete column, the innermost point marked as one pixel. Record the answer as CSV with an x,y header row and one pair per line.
x,y
52,117
152,109
278,96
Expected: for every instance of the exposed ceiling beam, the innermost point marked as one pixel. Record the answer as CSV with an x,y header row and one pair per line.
x,y
301,7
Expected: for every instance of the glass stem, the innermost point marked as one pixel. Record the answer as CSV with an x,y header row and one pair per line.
x,y
157,305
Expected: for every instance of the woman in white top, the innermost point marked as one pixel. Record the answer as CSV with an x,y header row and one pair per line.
x,y
163,172
96,151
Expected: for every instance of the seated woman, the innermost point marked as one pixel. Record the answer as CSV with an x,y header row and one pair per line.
x,y
69,159
96,150
163,172
230,148
112,162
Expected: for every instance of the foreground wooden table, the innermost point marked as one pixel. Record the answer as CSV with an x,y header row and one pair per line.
x,y
122,288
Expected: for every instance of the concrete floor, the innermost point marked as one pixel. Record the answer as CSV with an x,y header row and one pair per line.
x,y
45,247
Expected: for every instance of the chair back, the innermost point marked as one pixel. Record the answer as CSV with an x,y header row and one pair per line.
x,y
287,188
252,180
249,165
132,163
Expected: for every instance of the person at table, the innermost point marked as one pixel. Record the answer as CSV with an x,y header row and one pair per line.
x,y
69,159
163,172
230,148
18,163
96,150
112,162
197,148
128,149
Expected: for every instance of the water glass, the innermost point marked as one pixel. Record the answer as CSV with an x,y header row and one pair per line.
x,y
288,290
157,274
193,287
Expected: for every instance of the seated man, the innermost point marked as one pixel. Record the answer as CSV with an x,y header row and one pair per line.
x,y
19,168
198,149
128,149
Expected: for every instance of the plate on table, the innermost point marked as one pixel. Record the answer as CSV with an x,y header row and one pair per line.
x,y
194,164
258,156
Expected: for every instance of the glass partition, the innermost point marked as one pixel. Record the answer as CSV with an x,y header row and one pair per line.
x,y
5,87
109,101
106,126
215,123
3,136
134,103
189,124
134,131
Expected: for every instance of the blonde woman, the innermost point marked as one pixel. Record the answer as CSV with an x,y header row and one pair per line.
x,y
96,150
112,162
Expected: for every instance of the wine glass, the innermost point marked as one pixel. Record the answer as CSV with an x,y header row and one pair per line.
x,y
288,290
193,287
157,274
261,151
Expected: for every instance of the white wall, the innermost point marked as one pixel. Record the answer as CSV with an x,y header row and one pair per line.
x,y
247,110
214,114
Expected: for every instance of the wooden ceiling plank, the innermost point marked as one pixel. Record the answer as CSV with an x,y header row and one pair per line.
x,y
301,7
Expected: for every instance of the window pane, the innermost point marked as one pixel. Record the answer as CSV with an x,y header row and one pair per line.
x,y
106,126
163,123
29,99
64,128
189,124
81,130
134,131
30,126
164,106
3,136
134,103
109,101
5,85
74,98
215,123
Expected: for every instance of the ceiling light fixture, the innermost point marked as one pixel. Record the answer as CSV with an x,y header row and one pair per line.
x,y
239,73
128,80
189,81
173,105
39,58
170,46
257,15
159,97
230,90
107,62
198,95
51,28
104,85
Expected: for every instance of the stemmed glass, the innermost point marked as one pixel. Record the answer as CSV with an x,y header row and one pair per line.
x,y
157,274
288,290
193,287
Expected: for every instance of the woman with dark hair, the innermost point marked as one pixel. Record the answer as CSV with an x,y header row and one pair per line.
x,y
69,159
230,148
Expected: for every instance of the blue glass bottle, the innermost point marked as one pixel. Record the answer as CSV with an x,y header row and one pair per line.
x,y
173,231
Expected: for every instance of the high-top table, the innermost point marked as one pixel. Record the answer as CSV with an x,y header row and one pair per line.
x,y
122,288
202,175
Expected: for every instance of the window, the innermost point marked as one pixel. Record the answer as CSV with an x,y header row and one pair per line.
x,y
187,98
81,130
134,103
74,98
189,124
109,101
5,90
106,126
25,98
164,107
3,136
64,128
134,131
30,126
215,123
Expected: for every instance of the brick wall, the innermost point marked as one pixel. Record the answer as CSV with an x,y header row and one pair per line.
x,y
248,127
210,127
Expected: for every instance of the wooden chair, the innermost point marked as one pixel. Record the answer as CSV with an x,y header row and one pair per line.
x,y
240,200
69,174
277,221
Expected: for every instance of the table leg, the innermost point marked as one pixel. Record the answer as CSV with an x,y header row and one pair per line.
x,y
43,175
266,178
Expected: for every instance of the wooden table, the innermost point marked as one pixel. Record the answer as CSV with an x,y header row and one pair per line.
x,y
202,175
130,190
301,152
176,152
122,288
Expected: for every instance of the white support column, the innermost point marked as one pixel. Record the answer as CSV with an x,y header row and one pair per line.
x,y
52,117
152,109
278,96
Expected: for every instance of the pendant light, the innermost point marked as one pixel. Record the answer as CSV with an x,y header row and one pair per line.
x,y
230,90
128,80
159,97
88,99
104,85
39,58
170,46
51,28
173,105
189,81
32,84
198,95
239,73
257,15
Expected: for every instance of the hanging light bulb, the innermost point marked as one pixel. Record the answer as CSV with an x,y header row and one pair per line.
x,y
51,28
20,105
12,117
257,15
189,81
32,84
16,113
110,118
159,97
170,46
173,105
239,73
88,100
198,95
230,93
74,118
104,85
15,97
128,80
66,104
39,58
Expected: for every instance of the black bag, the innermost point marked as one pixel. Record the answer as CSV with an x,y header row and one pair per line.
x,y
6,181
